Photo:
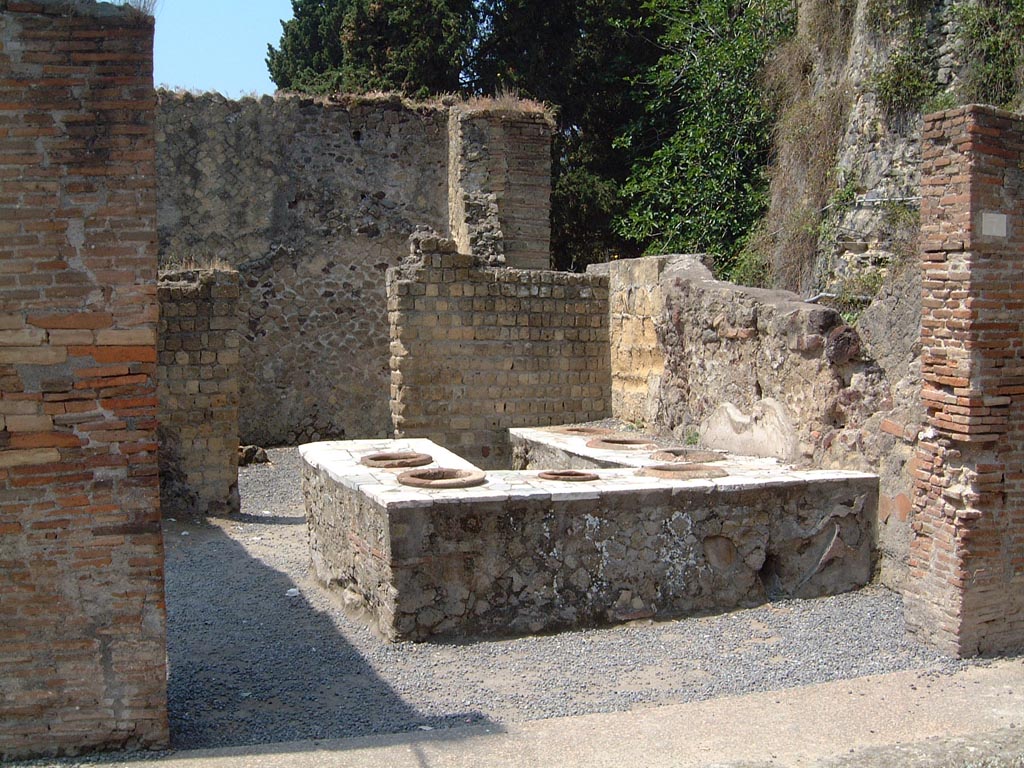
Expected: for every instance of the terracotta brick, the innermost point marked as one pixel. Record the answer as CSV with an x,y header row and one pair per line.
x,y
971,363
135,354
57,697
72,320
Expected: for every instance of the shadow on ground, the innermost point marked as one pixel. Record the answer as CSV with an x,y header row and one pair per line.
x,y
274,668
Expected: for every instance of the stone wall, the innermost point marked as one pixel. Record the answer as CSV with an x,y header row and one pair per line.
x,y
967,588
500,185
82,649
312,201
882,439
477,350
198,374
636,303
520,554
761,372
752,371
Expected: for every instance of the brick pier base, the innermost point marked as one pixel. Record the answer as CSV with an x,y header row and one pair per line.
x,y
966,593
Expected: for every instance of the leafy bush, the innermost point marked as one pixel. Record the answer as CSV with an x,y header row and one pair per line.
x,y
906,82
992,33
704,141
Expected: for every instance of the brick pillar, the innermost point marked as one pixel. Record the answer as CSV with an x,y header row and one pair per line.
x,y
82,643
499,185
966,592
198,374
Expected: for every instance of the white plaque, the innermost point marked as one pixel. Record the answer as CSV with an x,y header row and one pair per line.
x,y
993,224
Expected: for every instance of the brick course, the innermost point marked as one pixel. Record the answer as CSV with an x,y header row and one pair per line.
x,y
82,641
198,374
967,588
476,350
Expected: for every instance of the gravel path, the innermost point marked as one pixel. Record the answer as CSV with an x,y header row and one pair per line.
x,y
251,664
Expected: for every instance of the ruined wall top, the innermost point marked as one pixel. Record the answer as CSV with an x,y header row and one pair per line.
x,y
122,14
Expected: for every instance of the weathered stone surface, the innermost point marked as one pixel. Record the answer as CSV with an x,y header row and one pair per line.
x,y
497,215
251,454
765,431
636,302
748,350
312,201
755,372
522,554
476,350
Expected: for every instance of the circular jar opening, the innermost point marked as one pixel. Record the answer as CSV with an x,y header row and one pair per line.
x,y
682,471
571,430
396,459
618,443
442,478
568,475
687,454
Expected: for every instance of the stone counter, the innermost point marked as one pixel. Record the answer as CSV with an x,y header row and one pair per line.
x,y
553,448
521,554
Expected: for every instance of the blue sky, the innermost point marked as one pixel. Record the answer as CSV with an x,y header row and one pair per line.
x,y
217,45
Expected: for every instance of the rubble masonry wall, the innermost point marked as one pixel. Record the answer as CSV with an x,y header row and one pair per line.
x,y
312,200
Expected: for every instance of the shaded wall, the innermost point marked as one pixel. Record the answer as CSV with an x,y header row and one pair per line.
x,y
198,375
82,642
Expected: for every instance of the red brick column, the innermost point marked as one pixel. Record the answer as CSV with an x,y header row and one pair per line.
x,y
967,555
82,643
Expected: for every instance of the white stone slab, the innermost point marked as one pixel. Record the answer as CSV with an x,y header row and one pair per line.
x,y
340,459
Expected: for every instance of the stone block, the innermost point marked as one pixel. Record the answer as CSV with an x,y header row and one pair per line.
x,y
530,554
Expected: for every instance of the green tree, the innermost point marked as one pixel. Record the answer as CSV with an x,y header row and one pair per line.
x,y
703,143
417,47
578,56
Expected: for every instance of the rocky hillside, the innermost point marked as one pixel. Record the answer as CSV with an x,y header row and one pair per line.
x,y
851,89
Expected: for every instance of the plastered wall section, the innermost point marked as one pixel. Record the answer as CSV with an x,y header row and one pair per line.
x,y
966,593
198,385
312,201
82,618
754,371
476,350
636,303
762,372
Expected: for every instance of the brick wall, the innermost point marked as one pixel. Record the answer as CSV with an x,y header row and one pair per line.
x,y
82,650
499,171
967,556
477,350
198,376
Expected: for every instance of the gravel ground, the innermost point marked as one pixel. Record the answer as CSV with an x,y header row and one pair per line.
x,y
251,664
253,661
